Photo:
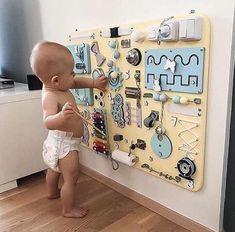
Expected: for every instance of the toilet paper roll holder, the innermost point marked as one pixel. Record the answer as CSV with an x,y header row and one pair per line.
x,y
115,164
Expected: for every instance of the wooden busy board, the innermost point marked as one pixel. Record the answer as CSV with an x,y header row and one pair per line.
x,y
156,98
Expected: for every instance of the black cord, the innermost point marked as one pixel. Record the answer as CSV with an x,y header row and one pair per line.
x,y
113,161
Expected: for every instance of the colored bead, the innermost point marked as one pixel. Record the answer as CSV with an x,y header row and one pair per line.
x,y
184,100
116,54
112,44
176,99
163,98
110,63
156,97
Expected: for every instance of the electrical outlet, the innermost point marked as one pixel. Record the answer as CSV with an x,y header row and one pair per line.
x,y
168,31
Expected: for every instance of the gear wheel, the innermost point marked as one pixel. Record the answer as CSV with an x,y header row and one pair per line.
x,y
115,83
118,99
117,110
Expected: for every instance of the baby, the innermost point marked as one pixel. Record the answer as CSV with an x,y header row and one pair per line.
x,y
53,64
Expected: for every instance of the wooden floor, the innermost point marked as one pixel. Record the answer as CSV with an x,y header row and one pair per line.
x,y
27,209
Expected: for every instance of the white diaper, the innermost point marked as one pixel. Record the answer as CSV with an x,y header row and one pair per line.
x,y
57,145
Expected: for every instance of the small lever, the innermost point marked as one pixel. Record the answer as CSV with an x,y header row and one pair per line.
x,y
149,121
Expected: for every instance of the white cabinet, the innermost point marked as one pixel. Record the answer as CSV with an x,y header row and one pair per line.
x,y
21,135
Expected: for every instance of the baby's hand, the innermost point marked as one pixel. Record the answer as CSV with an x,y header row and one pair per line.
x,y
67,111
100,83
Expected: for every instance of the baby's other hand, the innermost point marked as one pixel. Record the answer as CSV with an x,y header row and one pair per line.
x,y
100,83
67,111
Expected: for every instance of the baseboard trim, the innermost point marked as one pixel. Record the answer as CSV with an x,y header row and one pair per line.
x,y
8,186
147,202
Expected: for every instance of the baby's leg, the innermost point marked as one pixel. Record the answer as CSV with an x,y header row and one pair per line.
x,y
69,167
52,180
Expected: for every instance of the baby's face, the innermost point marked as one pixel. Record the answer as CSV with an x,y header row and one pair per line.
x,y
67,75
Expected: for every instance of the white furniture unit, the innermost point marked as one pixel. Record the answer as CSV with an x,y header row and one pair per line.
x,y
21,134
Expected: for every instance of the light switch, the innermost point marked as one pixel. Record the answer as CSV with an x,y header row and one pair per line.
x,y
183,29
190,29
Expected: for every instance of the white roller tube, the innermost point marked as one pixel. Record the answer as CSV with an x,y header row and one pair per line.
x,y
124,157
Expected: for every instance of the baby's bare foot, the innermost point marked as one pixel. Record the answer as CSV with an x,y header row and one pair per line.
x,y
54,195
76,213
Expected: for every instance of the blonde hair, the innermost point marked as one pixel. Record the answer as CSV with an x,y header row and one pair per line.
x,y
48,59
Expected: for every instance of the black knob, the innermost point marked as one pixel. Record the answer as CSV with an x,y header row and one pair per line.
x,y
133,146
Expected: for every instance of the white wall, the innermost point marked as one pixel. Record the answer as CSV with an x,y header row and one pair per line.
x,y
61,17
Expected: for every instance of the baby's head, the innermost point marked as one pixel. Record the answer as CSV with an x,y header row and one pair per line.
x,y
49,60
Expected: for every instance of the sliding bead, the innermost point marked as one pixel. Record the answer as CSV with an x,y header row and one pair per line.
x,y
176,99
184,100
156,97
163,98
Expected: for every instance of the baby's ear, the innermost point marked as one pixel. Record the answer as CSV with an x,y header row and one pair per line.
x,y
55,80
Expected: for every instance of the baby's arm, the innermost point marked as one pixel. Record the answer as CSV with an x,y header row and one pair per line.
x,y
53,119
99,83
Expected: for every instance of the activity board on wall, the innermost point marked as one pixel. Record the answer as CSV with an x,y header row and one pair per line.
x,y
153,113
